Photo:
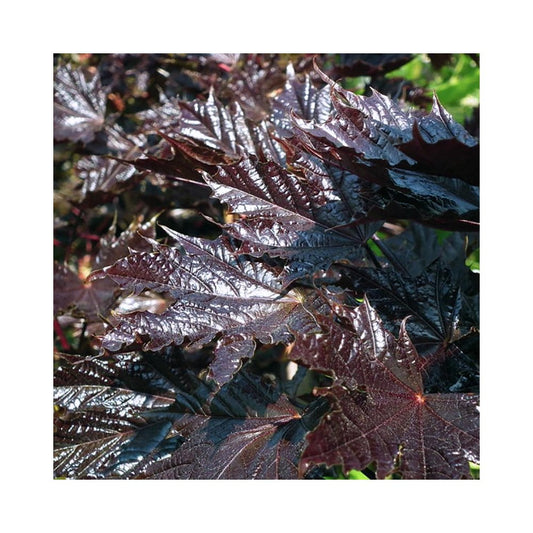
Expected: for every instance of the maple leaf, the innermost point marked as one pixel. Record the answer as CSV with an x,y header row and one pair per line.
x,y
381,412
215,292
103,178
75,292
202,134
411,155
248,431
100,428
313,222
432,300
206,130
79,104
301,175
300,98
148,415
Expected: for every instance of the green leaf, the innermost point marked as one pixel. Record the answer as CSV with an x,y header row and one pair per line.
x,y
356,474
456,84
472,261
474,470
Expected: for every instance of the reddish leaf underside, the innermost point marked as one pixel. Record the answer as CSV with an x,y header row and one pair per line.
x,y
380,412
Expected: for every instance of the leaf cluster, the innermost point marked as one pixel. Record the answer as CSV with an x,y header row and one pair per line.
x,y
260,272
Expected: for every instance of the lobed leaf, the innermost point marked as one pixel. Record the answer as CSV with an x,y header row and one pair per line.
x,y
309,172
110,417
412,156
312,222
302,99
247,432
211,133
103,178
432,300
381,412
215,293
95,424
79,104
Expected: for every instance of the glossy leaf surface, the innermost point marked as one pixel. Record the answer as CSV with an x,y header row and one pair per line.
x,y
412,156
247,432
79,104
100,427
300,98
170,425
311,312
381,412
431,300
104,178
215,292
311,222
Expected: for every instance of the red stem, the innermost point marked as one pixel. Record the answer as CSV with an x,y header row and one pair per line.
x,y
62,339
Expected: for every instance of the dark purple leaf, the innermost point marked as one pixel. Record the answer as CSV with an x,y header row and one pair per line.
x,y
79,104
419,246
252,342
381,413
311,222
211,133
164,117
302,99
104,178
94,423
412,156
110,417
93,299
247,432
215,293
432,300
206,133
442,146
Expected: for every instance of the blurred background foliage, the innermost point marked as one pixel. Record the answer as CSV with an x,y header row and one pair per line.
x,y
453,77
